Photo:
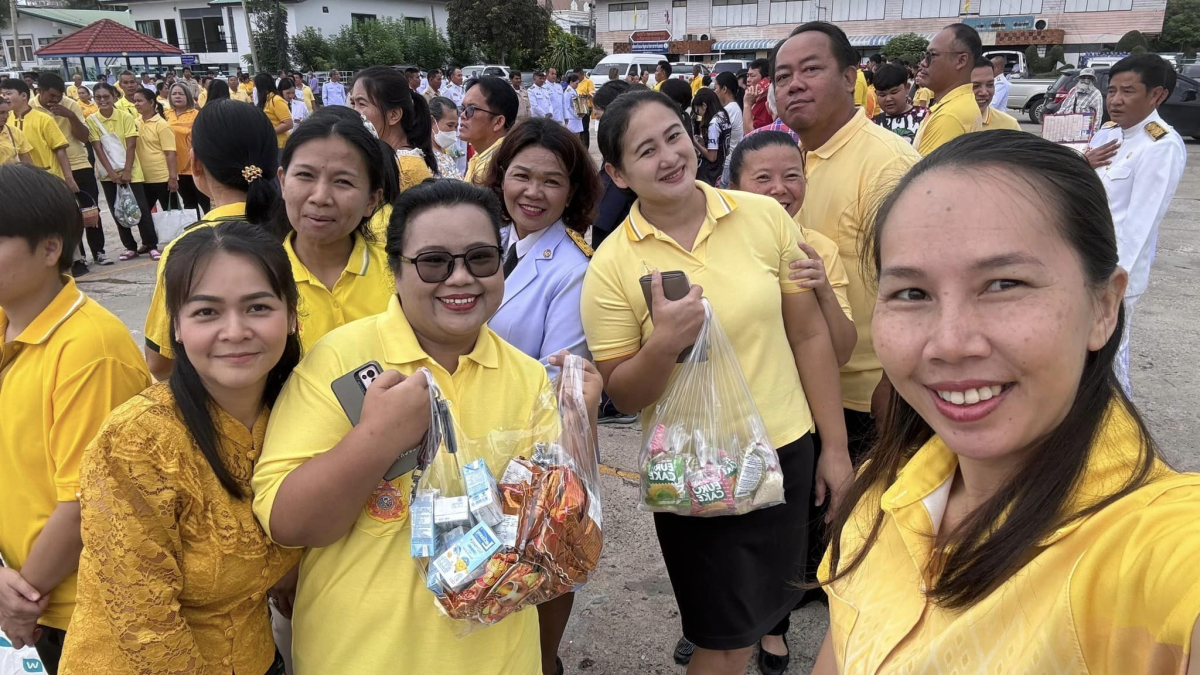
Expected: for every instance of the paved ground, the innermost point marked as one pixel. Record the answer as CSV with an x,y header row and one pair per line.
x,y
625,621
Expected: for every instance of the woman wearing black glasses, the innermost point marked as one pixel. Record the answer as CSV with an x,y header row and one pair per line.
x,y
362,604
489,110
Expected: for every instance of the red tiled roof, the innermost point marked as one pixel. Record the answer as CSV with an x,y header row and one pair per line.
x,y
107,38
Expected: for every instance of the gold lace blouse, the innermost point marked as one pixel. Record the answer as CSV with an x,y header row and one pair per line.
x,y
175,570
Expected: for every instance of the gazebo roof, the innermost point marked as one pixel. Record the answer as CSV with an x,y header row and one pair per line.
x,y
109,39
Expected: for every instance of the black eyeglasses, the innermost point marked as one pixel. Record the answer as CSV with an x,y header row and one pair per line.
x,y
436,266
469,111
929,56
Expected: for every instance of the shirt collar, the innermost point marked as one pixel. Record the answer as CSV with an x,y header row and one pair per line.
x,y
400,344
491,148
525,245
960,90
718,202
843,135
358,263
987,115
233,210
1152,117
64,304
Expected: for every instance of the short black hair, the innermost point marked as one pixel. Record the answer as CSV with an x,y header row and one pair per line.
x,y
763,66
52,81
981,62
434,71
1152,68
843,52
969,39
499,95
38,206
758,141
16,84
876,58
889,76
430,194
608,92
678,91
666,66
410,71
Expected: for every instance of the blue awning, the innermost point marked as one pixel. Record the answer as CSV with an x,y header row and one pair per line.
x,y
878,40
744,45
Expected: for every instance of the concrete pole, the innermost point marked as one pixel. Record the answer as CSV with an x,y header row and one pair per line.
x,y
249,37
12,6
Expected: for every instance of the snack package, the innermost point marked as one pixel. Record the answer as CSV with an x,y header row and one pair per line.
x,y
491,548
707,452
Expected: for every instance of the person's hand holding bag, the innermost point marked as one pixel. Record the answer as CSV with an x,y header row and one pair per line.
x,y
593,383
395,411
677,323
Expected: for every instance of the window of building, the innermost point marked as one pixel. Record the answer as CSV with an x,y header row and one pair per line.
x,y
1009,7
927,9
1098,5
414,21
858,10
629,16
359,18
203,30
735,12
677,19
151,28
26,50
792,11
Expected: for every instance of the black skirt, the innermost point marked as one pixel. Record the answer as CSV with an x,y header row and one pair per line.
x,y
736,577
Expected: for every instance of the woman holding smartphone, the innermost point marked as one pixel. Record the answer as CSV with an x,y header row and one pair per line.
x,y
738,247
319,483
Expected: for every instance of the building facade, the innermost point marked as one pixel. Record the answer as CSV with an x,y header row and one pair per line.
x,y
750,28
38,26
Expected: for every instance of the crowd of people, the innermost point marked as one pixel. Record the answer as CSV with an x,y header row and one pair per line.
x,y
941,366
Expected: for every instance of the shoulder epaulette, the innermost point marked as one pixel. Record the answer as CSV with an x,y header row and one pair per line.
x,y
1155,130
579,241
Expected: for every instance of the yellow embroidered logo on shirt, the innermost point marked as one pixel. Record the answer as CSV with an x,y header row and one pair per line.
x,y
386,503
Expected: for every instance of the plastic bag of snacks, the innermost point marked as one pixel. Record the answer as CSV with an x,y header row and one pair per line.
x,y
708,452
511,520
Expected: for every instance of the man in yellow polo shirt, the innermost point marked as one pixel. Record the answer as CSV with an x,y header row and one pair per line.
x,y
73,89
305,92
850,163
65,363
13,145
235,90
46,140
489,110
985,89
946,69
128,84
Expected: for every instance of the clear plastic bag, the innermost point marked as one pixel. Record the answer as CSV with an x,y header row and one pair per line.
x,y
708,452
513,519
128,213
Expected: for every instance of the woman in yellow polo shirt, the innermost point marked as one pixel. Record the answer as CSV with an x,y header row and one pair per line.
x,y
181,116
332,184
156,150
175,570
401,118
1016,514
110,119
233,159
738,246
86,104
276,109
318,483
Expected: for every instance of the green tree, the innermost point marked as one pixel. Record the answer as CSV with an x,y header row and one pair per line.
x,y
511,32
907,47
368,43
1045,66
310,50
565,51
269,18
1130,40
425,46
462,50
1181,26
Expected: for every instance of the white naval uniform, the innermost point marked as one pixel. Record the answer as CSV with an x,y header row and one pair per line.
x,y
1140,183
539,101
556,101
452,91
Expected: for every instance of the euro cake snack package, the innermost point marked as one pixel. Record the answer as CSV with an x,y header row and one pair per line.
x,y
513,519
707,452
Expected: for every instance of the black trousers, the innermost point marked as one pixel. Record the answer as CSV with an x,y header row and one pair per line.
x,y
145,226
586,134
192,197
86,180
49,647
157,193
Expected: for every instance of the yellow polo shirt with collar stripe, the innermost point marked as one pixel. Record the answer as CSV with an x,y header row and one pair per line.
x,y
953,115
123,126
741,258
158,323
59,380
846,176
1112,593
76,150
995,119
364,289
13,144
44,136
366,582
477,167
155,139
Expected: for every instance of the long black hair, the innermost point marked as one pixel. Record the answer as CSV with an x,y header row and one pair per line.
x,y
996,539
188,259
228,138
217,89
712,108
728,81
264,86
388,90
347,125
149,96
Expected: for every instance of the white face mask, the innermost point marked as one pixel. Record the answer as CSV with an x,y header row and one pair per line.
x,y
445,139
1085,87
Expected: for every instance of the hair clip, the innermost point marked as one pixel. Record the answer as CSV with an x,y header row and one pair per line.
x,y
251,174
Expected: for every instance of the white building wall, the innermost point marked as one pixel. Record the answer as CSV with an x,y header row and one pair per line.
x,y
329,16
37,31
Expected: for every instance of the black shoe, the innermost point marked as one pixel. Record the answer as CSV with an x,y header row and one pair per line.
x,y
683,651
79,268
618,419
770,664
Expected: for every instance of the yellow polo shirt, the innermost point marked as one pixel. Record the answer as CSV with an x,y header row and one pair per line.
x,y
1112,593
76,150
835,270
846,176
88,109
44,136
366,583
247,87
155,139
13,144
277,111
379,226
697,84
952,116
202,98
181,125
740,258
922,97
363,289
477,168
158,323
239,95
309,100
996,119
860,88
72,92
59,379
124,126
586,87
126,105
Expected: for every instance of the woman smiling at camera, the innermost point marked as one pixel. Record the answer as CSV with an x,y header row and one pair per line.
x,y
362,604
175,569
1015,514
